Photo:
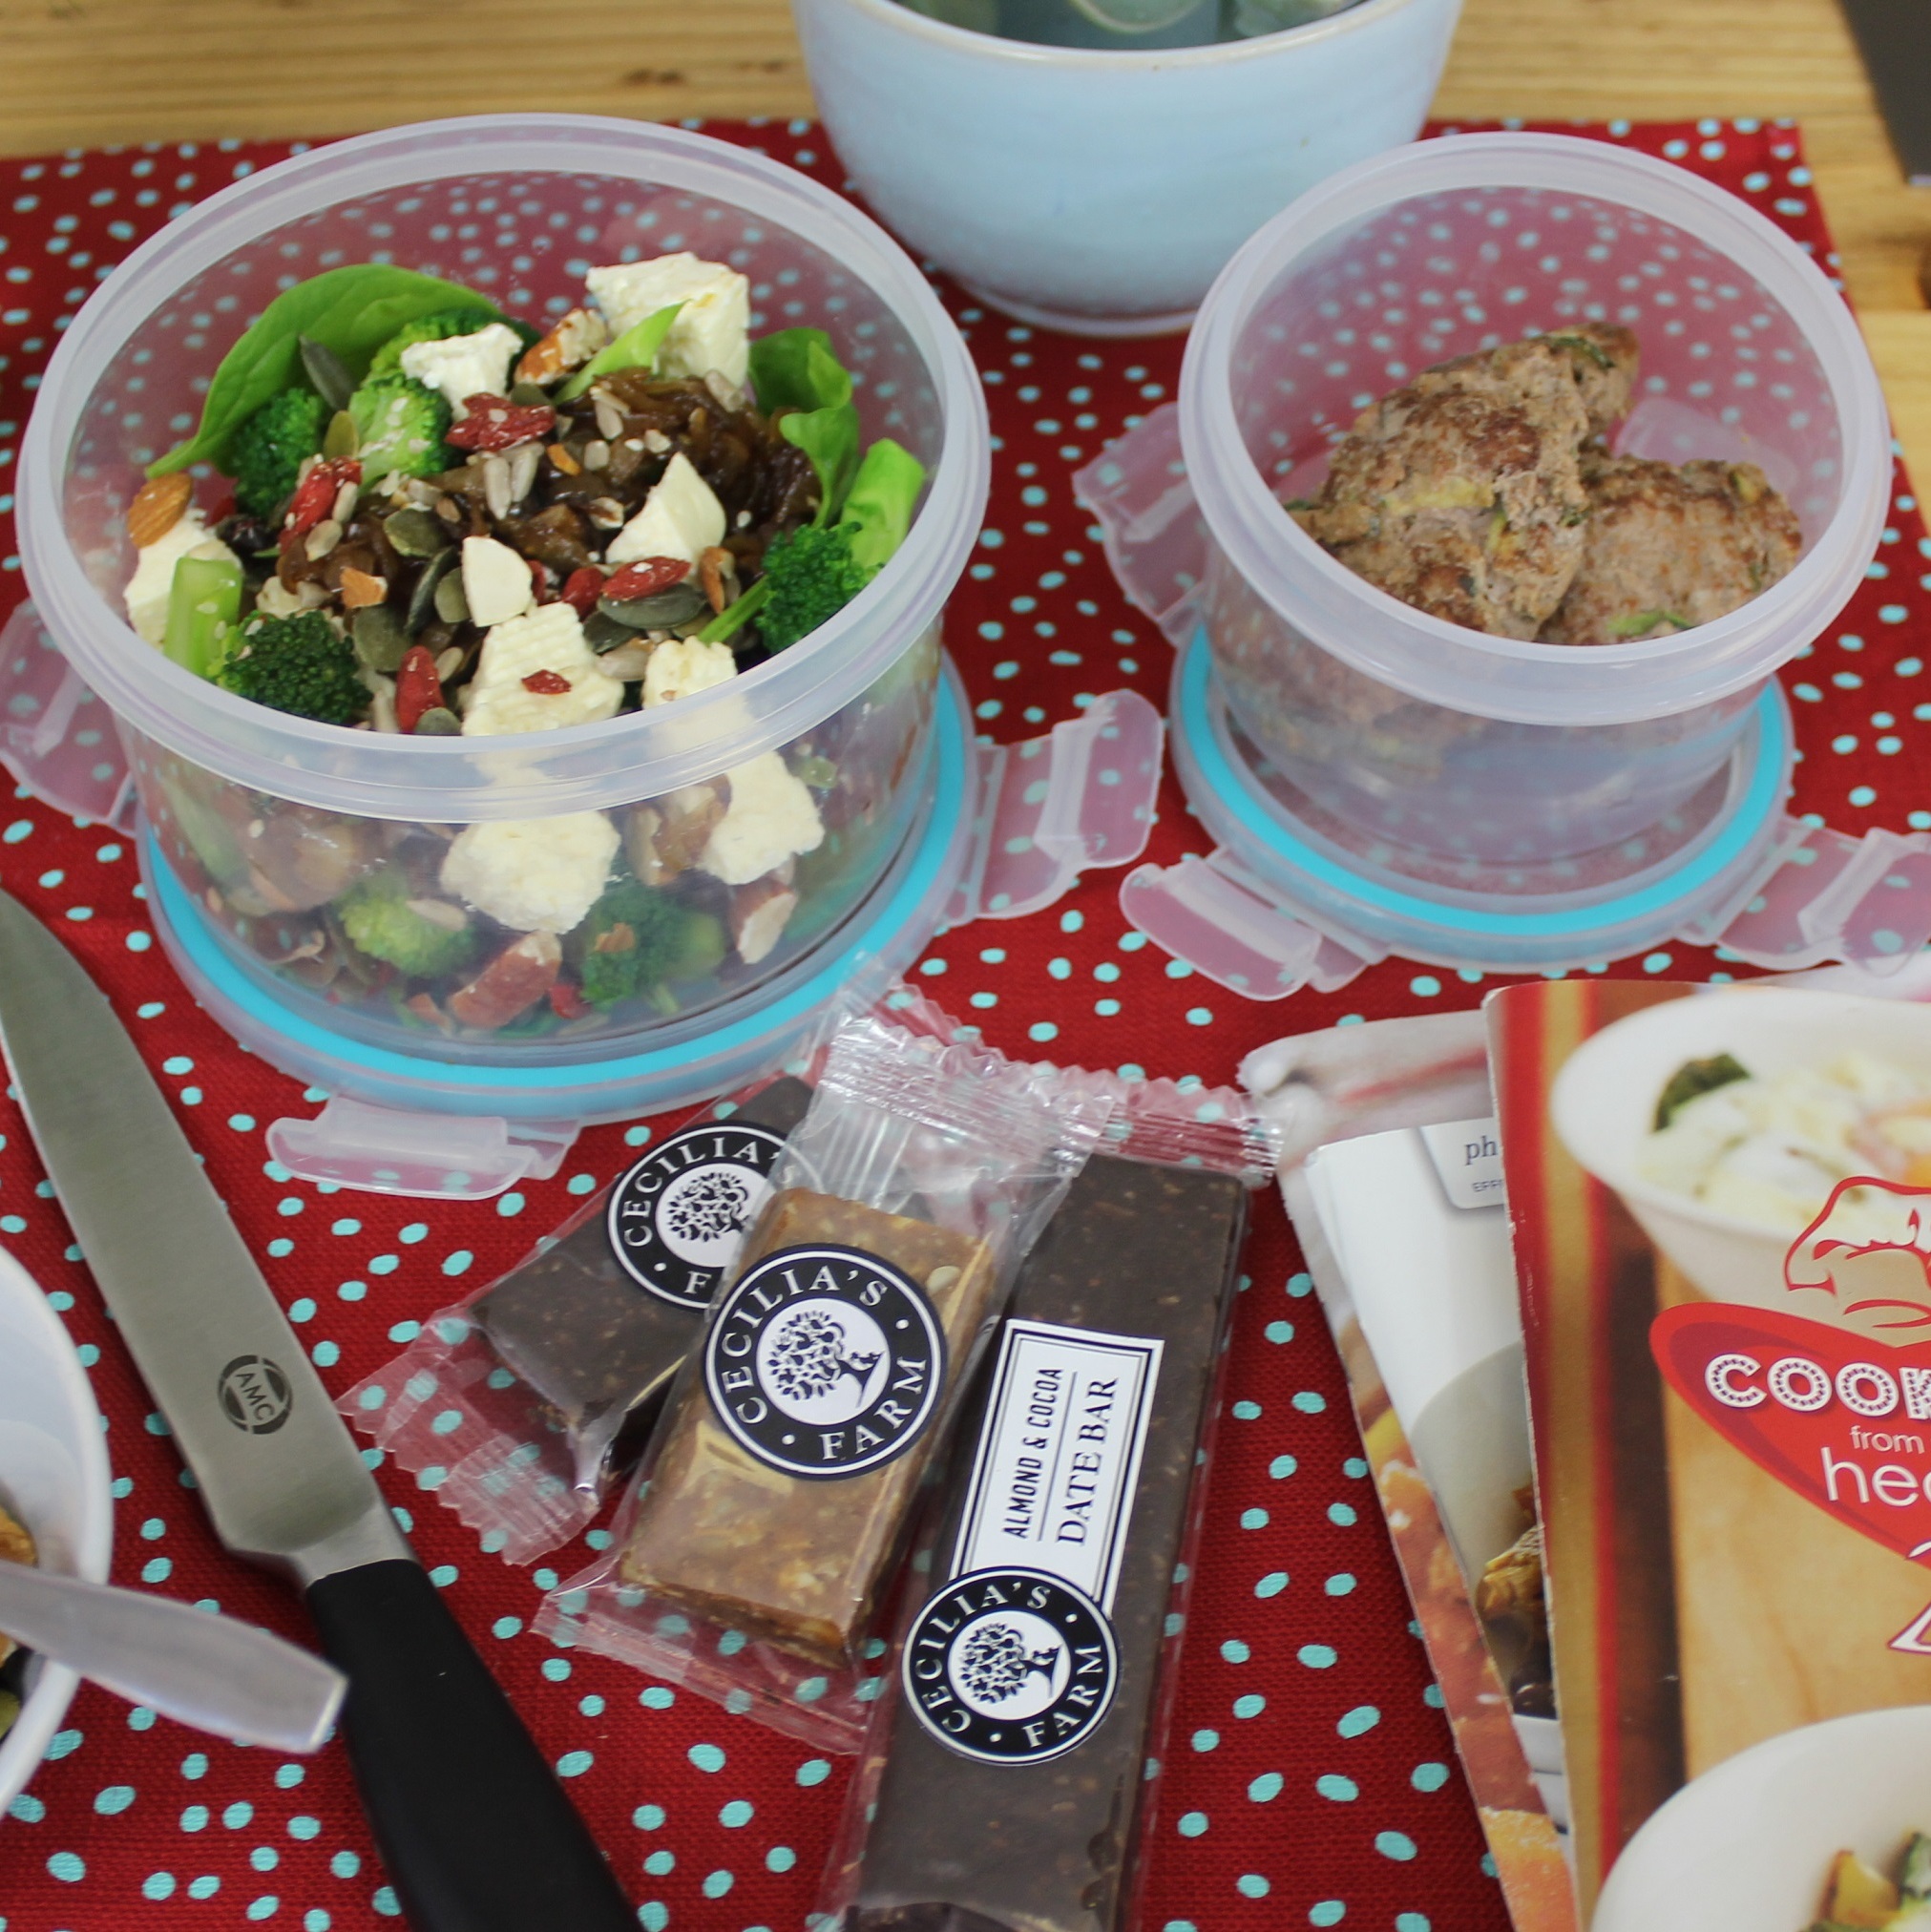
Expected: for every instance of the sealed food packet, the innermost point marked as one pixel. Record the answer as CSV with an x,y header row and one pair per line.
x,y
783,1475
510,1405
1004,1765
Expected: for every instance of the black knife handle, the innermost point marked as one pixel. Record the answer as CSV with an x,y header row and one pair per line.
x,y
474,1827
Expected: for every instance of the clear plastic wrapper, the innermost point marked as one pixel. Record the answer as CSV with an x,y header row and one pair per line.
x,y
784,1471
1003,1768
511,1405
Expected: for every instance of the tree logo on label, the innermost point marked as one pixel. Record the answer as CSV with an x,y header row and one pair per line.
x,y
1011,1667
676,1220
825,1361
255,1394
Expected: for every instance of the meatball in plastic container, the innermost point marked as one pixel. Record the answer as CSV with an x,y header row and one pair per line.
x,y
1524,460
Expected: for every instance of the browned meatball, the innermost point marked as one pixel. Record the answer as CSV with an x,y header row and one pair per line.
x,y
1666,547
1460,494
1603,354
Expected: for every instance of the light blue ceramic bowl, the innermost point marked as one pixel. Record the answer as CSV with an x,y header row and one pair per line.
x,y
1102,191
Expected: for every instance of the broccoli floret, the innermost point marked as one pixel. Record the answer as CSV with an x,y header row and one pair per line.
x,y
812,575
267,450
299,665
438,327
399,426
381,921
635,939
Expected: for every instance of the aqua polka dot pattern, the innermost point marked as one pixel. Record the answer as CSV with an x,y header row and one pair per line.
x,y
1309,1777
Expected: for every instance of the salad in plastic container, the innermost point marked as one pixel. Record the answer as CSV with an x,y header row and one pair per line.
x,y
512,549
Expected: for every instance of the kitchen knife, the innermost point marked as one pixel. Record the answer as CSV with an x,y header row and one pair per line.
x,y
477,1832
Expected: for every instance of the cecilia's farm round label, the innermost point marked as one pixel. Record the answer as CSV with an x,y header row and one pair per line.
x,y
825,1361
1011,1667
677,1219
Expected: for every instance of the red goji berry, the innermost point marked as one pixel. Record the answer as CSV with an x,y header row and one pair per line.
x,y
495,422
646,578
315,496
417,687
582,588
567,1003
547,683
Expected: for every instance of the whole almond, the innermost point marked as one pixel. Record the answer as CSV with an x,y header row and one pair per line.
x,y
158,507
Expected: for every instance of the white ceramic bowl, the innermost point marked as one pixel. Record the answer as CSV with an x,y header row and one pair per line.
x,y
1747,1846
1604,1099
53,1478
1102,191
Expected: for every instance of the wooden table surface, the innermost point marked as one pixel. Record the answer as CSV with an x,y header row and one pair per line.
x,y
86,73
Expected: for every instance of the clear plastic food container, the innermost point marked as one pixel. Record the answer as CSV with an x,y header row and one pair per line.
x,y
263,821
1447,742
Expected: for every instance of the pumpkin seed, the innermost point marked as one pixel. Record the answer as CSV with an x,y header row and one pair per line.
x,y
340,439
441,722
422,600
451,606
529,396
604,633
379,637
328,372
414,532
662,612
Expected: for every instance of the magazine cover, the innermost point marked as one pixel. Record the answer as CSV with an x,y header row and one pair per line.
x,y
1721,1209
1392,1177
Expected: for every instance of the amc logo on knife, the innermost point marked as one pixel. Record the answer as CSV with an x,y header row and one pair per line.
x,y
255,1394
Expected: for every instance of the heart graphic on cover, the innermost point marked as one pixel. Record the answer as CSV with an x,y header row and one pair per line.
x,y
1844,1423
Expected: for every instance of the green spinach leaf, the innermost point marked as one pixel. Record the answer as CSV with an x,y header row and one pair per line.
x,y
351,311
795,370
878,506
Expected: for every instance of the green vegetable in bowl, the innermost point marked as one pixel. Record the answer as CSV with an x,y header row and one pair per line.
x,y
399,428
795,370
351,311
810,576
268,452
299,665
813,573
635,939
1694,1079
421,937
204,605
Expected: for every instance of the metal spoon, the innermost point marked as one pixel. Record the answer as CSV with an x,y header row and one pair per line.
x,y
211,1671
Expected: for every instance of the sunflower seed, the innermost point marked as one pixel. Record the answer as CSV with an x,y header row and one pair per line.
x,y
597,455
609,419
496,491
523,460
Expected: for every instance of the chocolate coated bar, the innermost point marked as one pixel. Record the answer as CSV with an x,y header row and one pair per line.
x,y
963,1844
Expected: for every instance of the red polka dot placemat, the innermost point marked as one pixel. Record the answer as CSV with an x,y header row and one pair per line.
x,y
1309,1777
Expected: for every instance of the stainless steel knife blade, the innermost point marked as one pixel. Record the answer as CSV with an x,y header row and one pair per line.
x,y
277,1467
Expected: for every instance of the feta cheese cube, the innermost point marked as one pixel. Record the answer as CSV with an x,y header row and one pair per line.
x,y
549,640
678,666
496,581
533,874
772,817
681,518
465,365
711,330
147,591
